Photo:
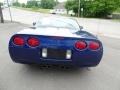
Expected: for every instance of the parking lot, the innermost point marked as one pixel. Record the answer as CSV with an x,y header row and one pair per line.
x,y
14,76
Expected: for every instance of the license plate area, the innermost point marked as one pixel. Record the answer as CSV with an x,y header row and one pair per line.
x,y
59,54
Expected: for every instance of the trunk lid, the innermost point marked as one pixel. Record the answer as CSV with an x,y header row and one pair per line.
x,y
49,31
59,32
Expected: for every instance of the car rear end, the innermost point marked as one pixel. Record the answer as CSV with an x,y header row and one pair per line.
x,y
56,50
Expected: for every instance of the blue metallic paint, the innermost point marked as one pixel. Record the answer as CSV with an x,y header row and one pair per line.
x,y
84,58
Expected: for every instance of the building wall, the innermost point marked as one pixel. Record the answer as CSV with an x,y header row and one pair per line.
x,y
60,11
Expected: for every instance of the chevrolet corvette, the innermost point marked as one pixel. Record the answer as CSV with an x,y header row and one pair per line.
x,y
56,41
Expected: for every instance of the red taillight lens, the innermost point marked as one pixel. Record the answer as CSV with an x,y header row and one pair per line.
x,y
18,41
94,45
80,45
33,42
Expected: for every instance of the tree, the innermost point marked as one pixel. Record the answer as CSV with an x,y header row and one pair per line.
x,y
23,5
94,8
1,3
68,5
16,3
48,4
72,5
100,8
56,2
32,3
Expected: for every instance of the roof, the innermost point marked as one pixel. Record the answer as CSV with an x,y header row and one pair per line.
x,y
60,6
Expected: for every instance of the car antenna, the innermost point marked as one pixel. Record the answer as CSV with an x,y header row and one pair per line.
x,y
81,27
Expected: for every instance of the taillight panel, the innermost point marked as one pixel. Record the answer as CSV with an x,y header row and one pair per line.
x,y
33,42
80,45
17,40
91,45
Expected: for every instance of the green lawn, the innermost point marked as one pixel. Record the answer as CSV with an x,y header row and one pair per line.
x,y
35,9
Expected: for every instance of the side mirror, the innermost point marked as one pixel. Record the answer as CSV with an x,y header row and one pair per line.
x,y
81,27
34,23
33,27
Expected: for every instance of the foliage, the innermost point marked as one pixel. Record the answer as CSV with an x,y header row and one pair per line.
x,y
94,8
48,4
69,5
23,5
101,8
56,2
16,4
117,11
1,3
32,3
72,5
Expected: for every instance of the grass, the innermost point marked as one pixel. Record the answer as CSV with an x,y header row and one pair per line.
x,y
35,9
116,20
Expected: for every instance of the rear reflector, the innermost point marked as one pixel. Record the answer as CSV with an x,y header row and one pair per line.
x,y
94,45
68,54
33,42
44,52
80,45
18,41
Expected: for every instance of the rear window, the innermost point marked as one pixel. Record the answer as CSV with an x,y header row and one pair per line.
x,y
59,23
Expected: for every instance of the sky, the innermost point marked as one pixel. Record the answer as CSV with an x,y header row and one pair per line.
x,y
24,1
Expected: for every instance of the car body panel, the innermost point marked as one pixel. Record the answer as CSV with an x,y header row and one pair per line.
x,y
79,58
57,39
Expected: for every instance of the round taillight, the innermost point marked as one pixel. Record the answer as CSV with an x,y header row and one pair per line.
x,y
33,42
94,45
80,45
18,41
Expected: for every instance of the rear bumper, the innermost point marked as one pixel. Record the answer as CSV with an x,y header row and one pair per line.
x,y
26,56
53,62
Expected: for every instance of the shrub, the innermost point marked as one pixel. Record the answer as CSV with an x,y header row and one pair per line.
x,y
16,4
94,8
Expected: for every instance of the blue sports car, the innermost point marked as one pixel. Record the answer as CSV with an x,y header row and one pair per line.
x,y
56,41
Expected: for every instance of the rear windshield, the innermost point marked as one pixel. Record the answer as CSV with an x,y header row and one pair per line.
x,y
59,23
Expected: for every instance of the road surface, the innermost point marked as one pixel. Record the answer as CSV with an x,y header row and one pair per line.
x,y
14,76
99,27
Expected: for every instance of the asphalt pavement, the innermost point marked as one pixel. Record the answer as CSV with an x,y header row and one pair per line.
x,y
106,76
